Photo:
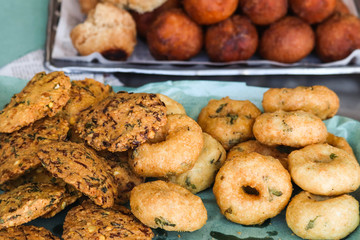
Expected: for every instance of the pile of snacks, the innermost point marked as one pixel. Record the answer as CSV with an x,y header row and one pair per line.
x,y
284,31
84,143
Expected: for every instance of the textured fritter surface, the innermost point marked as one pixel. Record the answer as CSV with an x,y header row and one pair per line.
x,y
27,233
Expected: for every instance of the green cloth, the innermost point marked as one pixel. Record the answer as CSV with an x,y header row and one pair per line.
x,y
22,28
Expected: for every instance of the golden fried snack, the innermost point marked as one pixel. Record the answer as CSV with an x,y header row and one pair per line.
x,y
108,30
255,146
317,217
122,121
287,41
168,206
27,232
337,37
293,129
44,95
319,100
339,142
142,6
341,8
202,175
83,94
233,39
174,36
176,154
324,170
89,221
264,12
144,20
228,121
251,188
87,5
172,106
313,11
206,12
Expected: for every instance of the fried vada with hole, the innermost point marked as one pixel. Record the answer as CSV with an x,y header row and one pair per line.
x,y
202,175
264,12
173,155
233,39
319,100
324,170
318,217
206,12
251,188
159,204
313,11
174,36
228,121
293,129
337,37
287,41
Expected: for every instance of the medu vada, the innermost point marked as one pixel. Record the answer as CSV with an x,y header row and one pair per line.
x,y
318,100
264,12
313,11
252,188
228,121
293,129
287,41
319,217
233,39
324,170
166,205
176,154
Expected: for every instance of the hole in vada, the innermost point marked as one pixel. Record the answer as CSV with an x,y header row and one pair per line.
x,y
250,190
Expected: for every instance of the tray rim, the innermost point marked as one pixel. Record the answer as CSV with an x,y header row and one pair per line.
x,y
173,69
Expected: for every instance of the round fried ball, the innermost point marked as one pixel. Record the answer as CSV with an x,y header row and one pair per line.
x,y
337,37
207,12
288,40
341,8
144,20
174,36
233,39
313,11
264,12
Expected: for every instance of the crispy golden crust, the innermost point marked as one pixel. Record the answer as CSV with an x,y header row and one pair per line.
x,y
324,170
26,233
172,106
313,11
122,121
339,142
233,39
44,95
87,5
337,37
174,36
287,41
84,94
202,175
89,221
17,149
293,129
315,217
264,12
209,11
28,202
108,30
80,167
318,100
228,121
251,188
176,154
341,8
168,206
255,146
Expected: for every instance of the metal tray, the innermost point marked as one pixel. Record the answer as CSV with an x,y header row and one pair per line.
x,y
185,68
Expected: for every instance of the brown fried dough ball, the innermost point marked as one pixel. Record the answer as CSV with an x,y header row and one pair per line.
x,y
264,12
174,36
87,5
144,20
341,8
233,39
337,37
313,11
288,40
210,11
